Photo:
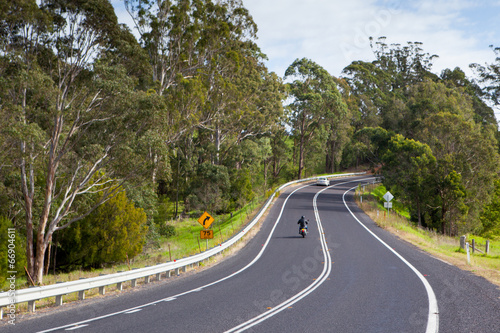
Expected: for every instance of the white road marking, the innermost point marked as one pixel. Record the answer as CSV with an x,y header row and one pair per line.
x,y
133,311
433,316
327,267
75,327
171,298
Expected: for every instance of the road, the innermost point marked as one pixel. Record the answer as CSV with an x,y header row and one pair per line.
x,y
347,275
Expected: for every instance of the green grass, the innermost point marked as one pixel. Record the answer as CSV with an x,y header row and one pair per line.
x,y
378,192
185,243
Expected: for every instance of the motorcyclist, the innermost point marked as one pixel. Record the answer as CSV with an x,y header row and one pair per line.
x,y
302,223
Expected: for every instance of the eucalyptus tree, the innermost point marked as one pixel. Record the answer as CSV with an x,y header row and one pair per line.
x,y
407,170
212,44
427,98
243,99
489,77
316,103
406,64
380,86
467,163
370,92
483,113
169,31
74,118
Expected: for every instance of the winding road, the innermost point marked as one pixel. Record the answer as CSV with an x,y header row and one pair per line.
x,y
347,275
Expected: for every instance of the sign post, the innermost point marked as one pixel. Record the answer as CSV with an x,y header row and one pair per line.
x,y
388,204
206,220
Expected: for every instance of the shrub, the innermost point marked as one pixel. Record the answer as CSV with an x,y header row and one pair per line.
x,y
167,230
114,231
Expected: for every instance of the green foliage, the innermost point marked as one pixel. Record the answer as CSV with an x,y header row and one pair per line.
x,y
408,165
467,165
316,107
192,111
167,230
241,189
490,77
115,231
209,189
490,216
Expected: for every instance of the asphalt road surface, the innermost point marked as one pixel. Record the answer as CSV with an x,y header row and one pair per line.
x,y
347,275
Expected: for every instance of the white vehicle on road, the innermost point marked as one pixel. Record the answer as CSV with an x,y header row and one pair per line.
x,y
323,181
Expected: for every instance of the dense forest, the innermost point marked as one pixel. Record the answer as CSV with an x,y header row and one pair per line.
x,y
104,136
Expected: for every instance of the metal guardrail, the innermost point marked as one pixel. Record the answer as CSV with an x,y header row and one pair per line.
x,y
31,295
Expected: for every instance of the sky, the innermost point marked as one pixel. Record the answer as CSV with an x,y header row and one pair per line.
x,y
334,33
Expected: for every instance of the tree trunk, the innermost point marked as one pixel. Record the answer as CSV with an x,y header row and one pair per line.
x,y
301,147
217,142
41,240
47,263
419,215
301,157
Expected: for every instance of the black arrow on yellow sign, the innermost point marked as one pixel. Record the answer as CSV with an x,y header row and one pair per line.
x,y
205,220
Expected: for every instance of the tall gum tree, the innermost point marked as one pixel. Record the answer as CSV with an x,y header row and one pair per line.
x,y
316,102
467,163
71,113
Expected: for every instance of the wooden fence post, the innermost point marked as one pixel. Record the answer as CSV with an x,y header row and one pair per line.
x,y
462,242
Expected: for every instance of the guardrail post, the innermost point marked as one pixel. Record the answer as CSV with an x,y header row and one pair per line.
x,y
102,290
59,300
119,286
167,274
133,283
31,306
81,295
468,252
1,313
147,279
158,276
184,269
177,271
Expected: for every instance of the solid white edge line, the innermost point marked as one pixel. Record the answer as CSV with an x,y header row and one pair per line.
x,y
433,317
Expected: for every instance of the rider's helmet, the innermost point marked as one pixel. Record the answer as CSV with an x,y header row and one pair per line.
x,y
303,217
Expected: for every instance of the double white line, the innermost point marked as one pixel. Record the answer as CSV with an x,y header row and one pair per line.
x,y
327,267
433,314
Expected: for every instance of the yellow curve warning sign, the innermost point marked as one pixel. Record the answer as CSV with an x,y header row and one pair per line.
x,y
205,220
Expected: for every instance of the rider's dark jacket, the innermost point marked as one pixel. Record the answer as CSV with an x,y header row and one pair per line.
x,y
302,223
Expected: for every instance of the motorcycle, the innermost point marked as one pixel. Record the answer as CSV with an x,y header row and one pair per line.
x,y
303,232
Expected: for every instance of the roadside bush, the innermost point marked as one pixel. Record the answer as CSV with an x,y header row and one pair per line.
x,y
167,230
114,231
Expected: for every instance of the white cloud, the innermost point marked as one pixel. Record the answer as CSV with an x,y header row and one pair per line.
x,y
334,33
